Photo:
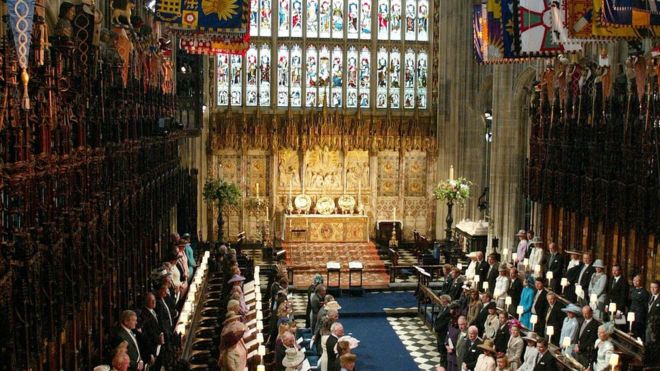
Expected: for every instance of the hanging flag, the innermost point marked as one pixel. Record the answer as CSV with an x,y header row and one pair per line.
x,y
478,30
509,29
535,28
21,14
227,16
559,30
632,13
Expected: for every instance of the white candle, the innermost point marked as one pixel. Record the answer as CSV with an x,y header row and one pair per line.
x,y
534,319
593,298
257,190
520,309
549,275
451,172
459,266
537,268
261,350
485,285
550,330
476,278
631,316
260,325
505,252
258,305
394,216
507,301
526,262
612,308
260,337
514,256
614,360
260,315
267,213
566,342
564,282
261,368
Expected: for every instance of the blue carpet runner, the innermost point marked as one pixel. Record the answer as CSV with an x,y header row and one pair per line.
x,y
380,348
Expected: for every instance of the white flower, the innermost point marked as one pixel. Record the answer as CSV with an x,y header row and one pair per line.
x,y
452,183
464,187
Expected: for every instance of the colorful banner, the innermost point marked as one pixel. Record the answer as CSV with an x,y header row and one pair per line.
x,y
509,29
494,45
535,28
634,13
212,46
559,30
226,16
478,29
21,14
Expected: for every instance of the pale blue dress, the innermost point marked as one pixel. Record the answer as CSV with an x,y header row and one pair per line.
x,y
526,300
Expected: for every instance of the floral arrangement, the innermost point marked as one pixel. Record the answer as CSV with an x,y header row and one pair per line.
x,y
221,192
453,190
257,204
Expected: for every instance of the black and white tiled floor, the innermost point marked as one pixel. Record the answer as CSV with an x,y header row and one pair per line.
x,y
418,339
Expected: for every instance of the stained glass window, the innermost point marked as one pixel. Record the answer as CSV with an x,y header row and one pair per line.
x,y
283,76
264,75
311,66
335,65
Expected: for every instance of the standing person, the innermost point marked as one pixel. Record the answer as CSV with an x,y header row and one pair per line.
x,y
554,317
475,305
125,333
569,328
587,335
492,322
531,353
537,257
482,270
521,250
572,274
556,266
486,360
639,302
234,352
480,320
546,362
472,351
336,331
190,255
604,348
540,303
526,299
318,279
501,286
441,325
597,287
457,284
653,324
584,278
515,347
455,335
316,302
514,291
502,334
152,337
493,272
617,290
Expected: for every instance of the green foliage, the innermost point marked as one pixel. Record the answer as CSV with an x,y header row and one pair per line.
x,y
456,191
222,193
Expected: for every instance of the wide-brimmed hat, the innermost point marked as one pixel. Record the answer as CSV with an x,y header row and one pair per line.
x,y
160,273
491,305
472,254
521,233
332,305
536,241
532,336
573,252
572,308
231,316
185,235
598,264
487,345
352,342
293,357
171,255
236,278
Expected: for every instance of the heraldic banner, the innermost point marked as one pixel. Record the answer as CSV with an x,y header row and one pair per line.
x,y
222,16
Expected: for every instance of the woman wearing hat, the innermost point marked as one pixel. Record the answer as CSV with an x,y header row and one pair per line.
x,y
486,360
501,285
492,322
537,256
597,287
604,347
522,246
530,353
639,304
526,301
570,327
318,279
293,359
234,353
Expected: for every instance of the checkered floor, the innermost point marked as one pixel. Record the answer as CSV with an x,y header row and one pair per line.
x,y
418,339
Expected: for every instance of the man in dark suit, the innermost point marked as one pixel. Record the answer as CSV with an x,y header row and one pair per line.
x,y
502,334
555,265
441,325
572,273
151,333
480,320
456,335
587,334
540,303
554,317
125,332
546,362
457,284
493,272
482,269
585,274
653,325
445,288
618,289
472,352
515,290
336,331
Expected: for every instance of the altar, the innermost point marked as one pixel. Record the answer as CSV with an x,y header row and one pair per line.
x,y
325,228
